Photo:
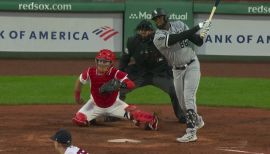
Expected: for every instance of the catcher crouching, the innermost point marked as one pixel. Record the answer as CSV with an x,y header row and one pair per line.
x,y
105,81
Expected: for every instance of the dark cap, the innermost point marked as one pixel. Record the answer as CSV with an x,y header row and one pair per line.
x,y
62,136
145,25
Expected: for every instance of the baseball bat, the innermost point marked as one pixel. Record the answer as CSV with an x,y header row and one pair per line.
x,y
213,9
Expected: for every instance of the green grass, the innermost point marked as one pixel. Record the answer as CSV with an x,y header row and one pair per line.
x,y
237,92
242,92
37,89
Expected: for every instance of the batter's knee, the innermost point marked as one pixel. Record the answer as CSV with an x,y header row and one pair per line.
x,y
80,119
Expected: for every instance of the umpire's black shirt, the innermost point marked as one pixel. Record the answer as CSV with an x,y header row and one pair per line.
x,y
146,55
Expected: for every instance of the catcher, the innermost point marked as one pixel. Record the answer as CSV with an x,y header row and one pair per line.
x,y
105,81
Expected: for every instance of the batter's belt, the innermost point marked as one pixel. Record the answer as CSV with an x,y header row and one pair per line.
x,y
183,67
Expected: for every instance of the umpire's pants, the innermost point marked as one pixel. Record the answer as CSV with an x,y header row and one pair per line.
x,y
160,80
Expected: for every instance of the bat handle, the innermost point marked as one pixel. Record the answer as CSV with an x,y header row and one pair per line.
x,y
212,13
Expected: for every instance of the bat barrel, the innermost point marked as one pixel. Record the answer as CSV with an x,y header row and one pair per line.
x,y
212,13
216,2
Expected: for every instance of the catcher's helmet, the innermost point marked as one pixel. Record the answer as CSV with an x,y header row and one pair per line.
x,y
158,12
106,54
145,25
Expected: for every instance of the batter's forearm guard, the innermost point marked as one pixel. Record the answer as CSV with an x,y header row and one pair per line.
x,y
174,38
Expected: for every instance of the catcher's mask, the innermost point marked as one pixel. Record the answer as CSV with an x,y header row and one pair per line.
x,y
159,14
145,30
104,60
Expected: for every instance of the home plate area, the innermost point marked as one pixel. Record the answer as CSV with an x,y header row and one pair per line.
x,y
124,140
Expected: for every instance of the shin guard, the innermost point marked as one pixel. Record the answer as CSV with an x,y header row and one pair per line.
x,y
141,118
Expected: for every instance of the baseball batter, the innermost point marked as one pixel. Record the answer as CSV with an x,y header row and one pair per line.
x,y
173,41
105,81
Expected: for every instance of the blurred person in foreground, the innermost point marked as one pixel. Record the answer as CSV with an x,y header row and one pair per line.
x,y
63,143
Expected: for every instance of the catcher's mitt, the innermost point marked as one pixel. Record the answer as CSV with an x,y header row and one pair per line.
x,y
110,86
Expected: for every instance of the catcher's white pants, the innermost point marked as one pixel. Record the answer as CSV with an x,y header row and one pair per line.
x,y
92,111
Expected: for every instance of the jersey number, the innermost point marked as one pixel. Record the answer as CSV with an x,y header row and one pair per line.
x,y
183,43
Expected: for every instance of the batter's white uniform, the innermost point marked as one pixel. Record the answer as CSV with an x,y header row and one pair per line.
x,y
186,73
178,55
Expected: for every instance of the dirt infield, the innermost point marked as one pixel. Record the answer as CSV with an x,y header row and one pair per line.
x,y
26,129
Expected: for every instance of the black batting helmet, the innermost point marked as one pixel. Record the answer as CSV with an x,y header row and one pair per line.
x,y
145,25
158,12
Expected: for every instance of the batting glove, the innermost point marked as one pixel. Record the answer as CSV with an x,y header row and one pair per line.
x,y
204,33
205,28
205,24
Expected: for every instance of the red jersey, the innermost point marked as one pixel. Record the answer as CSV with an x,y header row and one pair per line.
x,y
96,81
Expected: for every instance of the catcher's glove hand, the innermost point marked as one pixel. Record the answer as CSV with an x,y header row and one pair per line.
x,y
110,86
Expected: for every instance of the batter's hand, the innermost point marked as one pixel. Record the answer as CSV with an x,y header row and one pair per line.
x,y
205,24
204,33
205,28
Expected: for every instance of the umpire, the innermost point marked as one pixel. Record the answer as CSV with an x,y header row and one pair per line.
x,y
149,66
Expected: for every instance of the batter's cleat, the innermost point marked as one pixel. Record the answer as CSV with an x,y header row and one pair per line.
x,y
190,136
153,125
199,123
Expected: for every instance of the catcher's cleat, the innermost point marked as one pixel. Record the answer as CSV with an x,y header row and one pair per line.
x,y
79,123
80,119
153,125
190,136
